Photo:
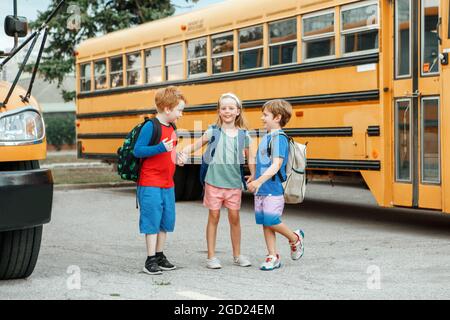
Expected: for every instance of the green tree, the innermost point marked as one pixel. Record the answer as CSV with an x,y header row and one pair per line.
x,y
95,17
60,129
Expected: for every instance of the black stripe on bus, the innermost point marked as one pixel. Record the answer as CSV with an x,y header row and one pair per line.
x,y
315,99
373,131
343,164
323,98
319,132
293,132
241,75
102,135
110,114
371,165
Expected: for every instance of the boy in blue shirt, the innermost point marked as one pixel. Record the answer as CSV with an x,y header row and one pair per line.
x,y
155,190
267,186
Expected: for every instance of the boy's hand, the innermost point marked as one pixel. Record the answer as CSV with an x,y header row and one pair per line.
x,y
254,186
168,144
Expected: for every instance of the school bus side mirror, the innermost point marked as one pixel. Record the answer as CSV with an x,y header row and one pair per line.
x,y
16,25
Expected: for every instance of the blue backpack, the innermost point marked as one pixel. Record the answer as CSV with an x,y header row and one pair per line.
x,y
211,150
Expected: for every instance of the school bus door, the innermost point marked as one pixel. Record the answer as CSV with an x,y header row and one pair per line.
x,y
418,103
445,103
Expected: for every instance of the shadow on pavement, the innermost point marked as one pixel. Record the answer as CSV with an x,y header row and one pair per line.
x,y
424,221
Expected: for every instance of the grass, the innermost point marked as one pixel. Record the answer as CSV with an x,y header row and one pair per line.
x,y
85,175
64,158
79,175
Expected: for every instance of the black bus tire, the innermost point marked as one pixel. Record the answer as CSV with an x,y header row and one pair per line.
x,y
193,187
179,179
19,251
198,188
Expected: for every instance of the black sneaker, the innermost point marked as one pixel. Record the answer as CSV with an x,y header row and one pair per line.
x,y
163,263
151,266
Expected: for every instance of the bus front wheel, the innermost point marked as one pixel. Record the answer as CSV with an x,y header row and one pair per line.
x,y
19,250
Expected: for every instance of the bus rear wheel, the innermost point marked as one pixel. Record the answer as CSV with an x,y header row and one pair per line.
x,y
187,183
193,188
19,251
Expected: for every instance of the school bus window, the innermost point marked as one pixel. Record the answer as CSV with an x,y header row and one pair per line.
x,y
403,140
430,153
403,38
318,36
174,62
153,71
430,38
360,28
251,48
283,42
116,72
222,53
100,74
85,77
197,57
134,68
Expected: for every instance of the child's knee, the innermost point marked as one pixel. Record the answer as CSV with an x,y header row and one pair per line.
x,y
214,216
234,219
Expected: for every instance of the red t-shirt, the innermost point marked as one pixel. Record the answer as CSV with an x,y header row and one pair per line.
x,y
158,171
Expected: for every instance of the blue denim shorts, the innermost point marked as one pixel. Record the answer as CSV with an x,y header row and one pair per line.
x,y
157,209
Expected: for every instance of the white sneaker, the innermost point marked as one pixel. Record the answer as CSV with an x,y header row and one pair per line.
x,y
213,263
297,249
271,263
242,261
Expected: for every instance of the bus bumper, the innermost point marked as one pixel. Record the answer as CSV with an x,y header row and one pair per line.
x,y
25,198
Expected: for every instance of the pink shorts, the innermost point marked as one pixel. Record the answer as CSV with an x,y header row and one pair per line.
x,y
216,197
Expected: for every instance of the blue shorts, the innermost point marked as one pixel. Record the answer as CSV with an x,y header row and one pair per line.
x,y
157,206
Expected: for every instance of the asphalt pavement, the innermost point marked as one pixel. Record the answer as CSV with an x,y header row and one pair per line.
x,y
354,249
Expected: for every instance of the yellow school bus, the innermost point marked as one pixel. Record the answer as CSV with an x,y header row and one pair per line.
x,y
26,191
368,80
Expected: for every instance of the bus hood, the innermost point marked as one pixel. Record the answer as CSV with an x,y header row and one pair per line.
x,y
15,101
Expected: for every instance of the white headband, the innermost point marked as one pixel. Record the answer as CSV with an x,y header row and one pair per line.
x,y
232,96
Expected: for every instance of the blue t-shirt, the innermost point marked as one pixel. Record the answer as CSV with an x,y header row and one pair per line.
x,y
280,149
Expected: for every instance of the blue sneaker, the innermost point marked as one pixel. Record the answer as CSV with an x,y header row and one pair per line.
x,y
297,248
271,263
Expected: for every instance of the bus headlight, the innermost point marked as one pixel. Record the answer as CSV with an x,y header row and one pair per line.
x,y
21,126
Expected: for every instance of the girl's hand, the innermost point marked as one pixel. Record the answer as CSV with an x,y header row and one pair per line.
x,y
249,179
181,158
254,186
168,144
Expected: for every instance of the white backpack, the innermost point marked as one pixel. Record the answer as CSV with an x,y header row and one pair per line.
x,y
295,184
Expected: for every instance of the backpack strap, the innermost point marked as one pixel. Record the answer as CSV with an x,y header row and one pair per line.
x,y
173,126
156,134
242,134
269,152
208,156
212,144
